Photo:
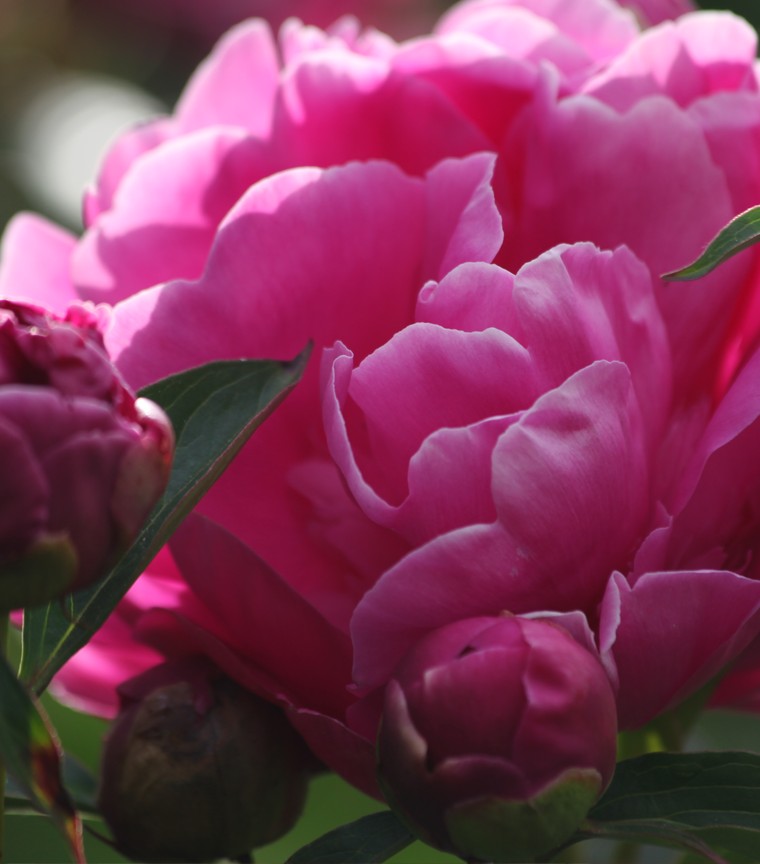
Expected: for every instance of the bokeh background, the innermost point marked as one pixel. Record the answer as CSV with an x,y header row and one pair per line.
x,y
73,73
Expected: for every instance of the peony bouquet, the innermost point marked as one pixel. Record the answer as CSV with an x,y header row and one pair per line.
x,y
502,531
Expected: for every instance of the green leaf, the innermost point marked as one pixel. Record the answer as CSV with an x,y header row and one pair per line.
x,y
32,757
81,785
708,803
214,410
741,232
371,839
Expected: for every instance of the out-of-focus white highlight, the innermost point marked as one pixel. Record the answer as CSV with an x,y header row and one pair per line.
x,y
64,131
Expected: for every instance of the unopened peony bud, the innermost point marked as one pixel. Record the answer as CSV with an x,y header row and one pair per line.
x,y
196,768
83,462
497,736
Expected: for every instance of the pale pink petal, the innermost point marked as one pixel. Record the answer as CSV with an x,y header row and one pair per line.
x,y
36,257
697,56
600,28
163,219
487,88
127,151
217,94
473,296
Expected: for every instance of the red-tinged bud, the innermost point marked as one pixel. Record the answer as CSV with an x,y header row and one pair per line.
x,y
497,736
196,768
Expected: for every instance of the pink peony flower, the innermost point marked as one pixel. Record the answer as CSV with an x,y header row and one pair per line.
x,y
489,421
83,463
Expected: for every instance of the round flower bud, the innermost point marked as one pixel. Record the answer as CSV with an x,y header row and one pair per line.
x,y
196,768
497,736
83,461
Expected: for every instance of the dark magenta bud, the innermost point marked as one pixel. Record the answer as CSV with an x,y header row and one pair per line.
x,y
497,736
83,461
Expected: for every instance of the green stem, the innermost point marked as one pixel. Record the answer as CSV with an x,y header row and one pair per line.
x,y
4,626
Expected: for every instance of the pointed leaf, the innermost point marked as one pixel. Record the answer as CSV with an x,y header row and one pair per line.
x,y
741,232
214,410
371,839
32,758
81,785
708,803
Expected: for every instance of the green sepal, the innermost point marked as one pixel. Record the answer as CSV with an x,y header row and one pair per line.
x,y
498,829
46,570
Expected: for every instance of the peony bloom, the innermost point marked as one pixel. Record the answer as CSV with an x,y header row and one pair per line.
x,y
511,780
492,419
83,462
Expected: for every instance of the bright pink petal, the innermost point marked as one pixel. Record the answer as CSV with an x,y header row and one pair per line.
x,y
565,184
88,681
335,107
427,378
463,222
569,486
236,84
164,217
671,633
473,296
717,502
36,259
576,305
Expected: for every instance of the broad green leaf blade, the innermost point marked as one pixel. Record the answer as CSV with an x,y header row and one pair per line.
x,y
80,783
32,757
741,232
706,802
653,833
214,410
371,839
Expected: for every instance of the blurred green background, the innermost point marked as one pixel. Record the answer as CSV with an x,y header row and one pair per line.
x,y
60,58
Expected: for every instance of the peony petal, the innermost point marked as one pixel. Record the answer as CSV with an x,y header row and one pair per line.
x,y
36,263
462,214
427,378
259,615
164,217
671,633
577,305
337,106
717,501
694,57
568,483
565,184
602,29
214,96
